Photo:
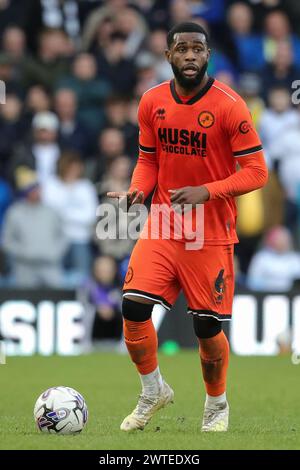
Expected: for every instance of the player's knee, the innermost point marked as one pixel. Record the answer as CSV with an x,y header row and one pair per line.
x,y
206,328
136,311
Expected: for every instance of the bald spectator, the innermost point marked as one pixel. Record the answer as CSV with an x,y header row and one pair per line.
x,y
276,266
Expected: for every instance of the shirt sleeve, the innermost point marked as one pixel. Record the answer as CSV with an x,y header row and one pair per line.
x,y
145,174
147,141
243,137
247,151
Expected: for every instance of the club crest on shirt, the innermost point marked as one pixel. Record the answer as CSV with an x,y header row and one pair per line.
x,y
206,119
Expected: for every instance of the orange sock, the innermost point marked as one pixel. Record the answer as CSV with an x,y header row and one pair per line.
x,y
141,342
214,355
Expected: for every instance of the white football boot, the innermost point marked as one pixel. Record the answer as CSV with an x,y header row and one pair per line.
x,y
146,407
216,417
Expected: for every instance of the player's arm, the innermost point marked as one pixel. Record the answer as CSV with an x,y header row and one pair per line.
x,y
247,152
144,178
252,175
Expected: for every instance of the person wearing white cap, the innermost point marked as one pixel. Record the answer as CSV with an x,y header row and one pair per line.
x,y
45,149
42,153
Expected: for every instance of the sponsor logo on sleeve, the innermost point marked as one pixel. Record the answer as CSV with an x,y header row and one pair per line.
x,y
245,127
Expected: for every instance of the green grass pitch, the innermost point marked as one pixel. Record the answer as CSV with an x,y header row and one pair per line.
x,y
264,395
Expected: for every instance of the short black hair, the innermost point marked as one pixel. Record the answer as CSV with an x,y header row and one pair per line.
x,y
186,27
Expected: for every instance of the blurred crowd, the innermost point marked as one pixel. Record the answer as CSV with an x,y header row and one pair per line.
x,y
74,72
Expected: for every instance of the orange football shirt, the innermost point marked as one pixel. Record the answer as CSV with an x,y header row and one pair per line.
x,y
199,142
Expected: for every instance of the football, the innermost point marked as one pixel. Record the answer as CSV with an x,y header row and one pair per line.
x,y
60,410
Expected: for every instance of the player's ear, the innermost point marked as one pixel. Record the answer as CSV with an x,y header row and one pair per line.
x,y
168,55
208,53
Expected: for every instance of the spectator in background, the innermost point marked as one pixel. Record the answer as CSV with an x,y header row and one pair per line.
x,y
281,71
52,61
75,199
117,175
145,73
249,88
121,114
12,130
179,12
251,222
7,75
40,14
276,120
285,152
97,20
219,62
276,266
41,154
91,91
125,20
116,112
277,29
14,42
129,23
101,298
33,237
14,45
157,46
115,67
37,100
72,134
111,144
248,44
101,39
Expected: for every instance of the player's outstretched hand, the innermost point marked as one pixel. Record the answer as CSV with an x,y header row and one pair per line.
x,y
133,197
189,195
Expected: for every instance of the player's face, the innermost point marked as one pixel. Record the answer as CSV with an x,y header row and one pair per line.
x,y
188,57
